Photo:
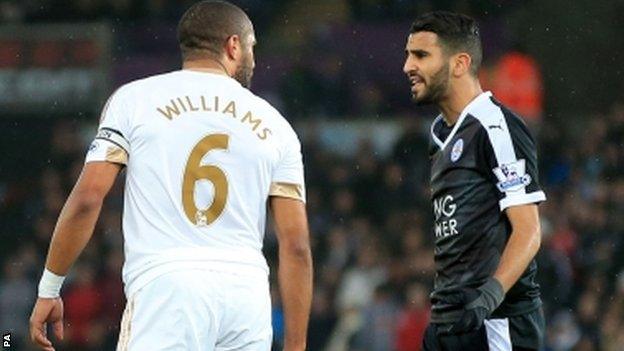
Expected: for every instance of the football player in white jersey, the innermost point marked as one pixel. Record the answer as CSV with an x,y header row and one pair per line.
x,y
205,157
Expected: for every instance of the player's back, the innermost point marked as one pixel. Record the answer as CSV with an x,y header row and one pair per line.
x,y
204,154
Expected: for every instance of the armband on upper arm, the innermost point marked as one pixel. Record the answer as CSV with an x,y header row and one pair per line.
x,y
288,190
109,145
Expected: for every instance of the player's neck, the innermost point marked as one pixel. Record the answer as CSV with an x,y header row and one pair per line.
x,y
206,65
459,96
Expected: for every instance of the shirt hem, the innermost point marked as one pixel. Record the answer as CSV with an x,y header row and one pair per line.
x,y
522,199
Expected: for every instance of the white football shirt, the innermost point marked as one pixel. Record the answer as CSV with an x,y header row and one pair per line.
x,y
203,155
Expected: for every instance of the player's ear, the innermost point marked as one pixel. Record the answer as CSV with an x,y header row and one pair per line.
x,y
461,64
233,47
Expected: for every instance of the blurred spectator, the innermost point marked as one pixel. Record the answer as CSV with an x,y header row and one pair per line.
x,y
84,306
277,319
17,296
378,329
322,319
516,81
414,318
112,296
359,283
355,293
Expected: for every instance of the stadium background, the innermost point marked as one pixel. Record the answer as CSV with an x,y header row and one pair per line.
x,y
333,67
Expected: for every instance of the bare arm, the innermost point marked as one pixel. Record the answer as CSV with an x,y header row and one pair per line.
x,y
519,251
71,234
79,215
295,268
522,245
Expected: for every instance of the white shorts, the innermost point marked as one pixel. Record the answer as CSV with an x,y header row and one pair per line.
x,y
198,310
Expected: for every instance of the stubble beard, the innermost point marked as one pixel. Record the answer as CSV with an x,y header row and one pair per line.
x,y
437,88
244,73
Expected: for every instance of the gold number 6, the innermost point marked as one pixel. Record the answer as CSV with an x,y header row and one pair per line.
x,y
194,171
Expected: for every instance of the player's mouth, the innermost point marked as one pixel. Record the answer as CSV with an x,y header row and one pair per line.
x,y
416,81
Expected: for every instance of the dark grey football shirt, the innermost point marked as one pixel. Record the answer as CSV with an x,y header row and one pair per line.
x,y
484,164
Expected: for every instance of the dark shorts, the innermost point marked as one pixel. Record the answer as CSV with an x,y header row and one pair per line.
x,y
517,333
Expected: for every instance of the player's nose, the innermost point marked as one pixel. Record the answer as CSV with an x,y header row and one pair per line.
x,y
409,66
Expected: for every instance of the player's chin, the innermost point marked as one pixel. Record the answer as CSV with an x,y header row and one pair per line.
x,y
414,93
418,91
418,97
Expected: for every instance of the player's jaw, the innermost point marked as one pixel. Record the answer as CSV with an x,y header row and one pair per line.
x,y
429,91
244,71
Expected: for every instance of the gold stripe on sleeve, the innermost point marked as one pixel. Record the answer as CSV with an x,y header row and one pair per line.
x,y
116,155
289,190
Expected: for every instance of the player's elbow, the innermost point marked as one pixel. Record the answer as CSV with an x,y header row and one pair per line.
x,y
297,248
535,234
529,235
86,200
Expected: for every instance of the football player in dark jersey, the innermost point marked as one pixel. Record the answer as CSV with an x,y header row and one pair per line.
x,y
484,191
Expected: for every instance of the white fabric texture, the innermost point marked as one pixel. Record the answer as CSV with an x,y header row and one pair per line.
x,y
498,336
201,153
197,310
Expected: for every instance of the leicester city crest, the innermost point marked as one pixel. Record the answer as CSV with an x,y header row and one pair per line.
x,y
457,150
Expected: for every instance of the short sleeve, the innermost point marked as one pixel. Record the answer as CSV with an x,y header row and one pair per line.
x,y
111,141
510,156
288,178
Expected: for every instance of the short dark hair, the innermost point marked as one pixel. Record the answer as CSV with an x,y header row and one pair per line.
x,y
204,28
456,33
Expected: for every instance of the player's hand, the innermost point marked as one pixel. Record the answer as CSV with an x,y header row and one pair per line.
x,y
46,311
478,305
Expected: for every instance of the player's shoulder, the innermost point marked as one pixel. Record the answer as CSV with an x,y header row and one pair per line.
x,y
262,104
129,95
140,85
493,115
485,109
285,129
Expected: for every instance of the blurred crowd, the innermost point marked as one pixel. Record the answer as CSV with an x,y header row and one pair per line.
x,y
370,220
369,214
149,10
314,58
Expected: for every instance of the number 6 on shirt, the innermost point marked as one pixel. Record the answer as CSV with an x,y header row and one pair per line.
x,y
194,171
